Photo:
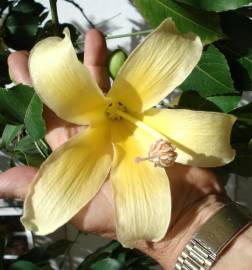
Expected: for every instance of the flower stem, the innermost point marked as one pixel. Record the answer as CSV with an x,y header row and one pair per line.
x,y
130,34
125,35
55,18
82,12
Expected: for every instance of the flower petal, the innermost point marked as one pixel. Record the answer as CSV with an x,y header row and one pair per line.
x,y
67,181
202,138
156,67
141,191
62,82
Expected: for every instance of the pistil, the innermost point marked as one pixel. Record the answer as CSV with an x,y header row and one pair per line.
x,y
141,125
162,152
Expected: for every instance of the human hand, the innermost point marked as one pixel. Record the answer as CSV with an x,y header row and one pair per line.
x,y
193,189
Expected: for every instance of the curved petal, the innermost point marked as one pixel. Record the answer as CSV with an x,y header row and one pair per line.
x,y
156,67
67,181
141,191
202,138
62,82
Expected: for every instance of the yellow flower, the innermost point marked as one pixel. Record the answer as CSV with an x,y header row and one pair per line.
x,y
123,126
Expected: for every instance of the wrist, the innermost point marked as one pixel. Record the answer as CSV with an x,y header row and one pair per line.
x,y
238,254
180,233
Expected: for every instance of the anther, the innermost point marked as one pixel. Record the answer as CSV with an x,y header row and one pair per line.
x,y
162,153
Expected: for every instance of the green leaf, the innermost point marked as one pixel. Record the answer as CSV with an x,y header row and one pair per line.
x,y
26,145
33,119
4,120
9,133
27,152
246,62
114,255
29,159
242,162
244,113
239,64
23,265
225,103
29,7
193,100
205,24
99,254
14,101
216,5
48,30
22,24
46,267
23,105
239,73
35,255
211,76
20,30
43,254
237,47
110,247
43,148
4,70
108,263
238,30
241,133
2,247
91,259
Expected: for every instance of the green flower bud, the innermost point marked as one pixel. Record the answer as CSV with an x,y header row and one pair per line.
x,y
116,60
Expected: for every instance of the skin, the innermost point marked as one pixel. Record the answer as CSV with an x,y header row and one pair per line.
x,y
196,192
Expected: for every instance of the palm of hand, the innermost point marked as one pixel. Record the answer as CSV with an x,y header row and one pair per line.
x,y
188,184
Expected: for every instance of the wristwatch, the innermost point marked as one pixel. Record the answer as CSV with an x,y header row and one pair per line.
x,y
214,235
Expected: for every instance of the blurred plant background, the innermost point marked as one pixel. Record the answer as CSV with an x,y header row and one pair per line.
x,y
222,82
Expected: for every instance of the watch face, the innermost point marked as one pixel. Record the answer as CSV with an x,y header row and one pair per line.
x,y
14,239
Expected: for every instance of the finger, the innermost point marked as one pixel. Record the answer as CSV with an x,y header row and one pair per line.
x,y
18,66
95,58
15,182
58,131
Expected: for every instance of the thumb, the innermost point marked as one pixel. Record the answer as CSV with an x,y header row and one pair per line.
x,y
14,183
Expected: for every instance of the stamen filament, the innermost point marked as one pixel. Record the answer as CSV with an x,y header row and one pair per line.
x,y
153,132
139,159
141,124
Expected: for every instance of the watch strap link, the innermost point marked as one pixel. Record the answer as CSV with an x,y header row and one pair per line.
x,y
218,231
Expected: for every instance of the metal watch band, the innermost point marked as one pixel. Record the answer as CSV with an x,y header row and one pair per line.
x,y
218,231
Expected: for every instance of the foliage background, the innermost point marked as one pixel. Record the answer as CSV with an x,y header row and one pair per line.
x,y
218,83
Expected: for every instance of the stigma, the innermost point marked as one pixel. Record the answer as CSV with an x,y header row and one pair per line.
x,y
161,153
112,109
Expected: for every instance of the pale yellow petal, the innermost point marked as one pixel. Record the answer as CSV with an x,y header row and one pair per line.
x,y
202,138
156,67
62,82
141,191
67,181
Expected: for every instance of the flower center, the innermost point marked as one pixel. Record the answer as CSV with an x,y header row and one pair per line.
x,y
112,109
161,153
